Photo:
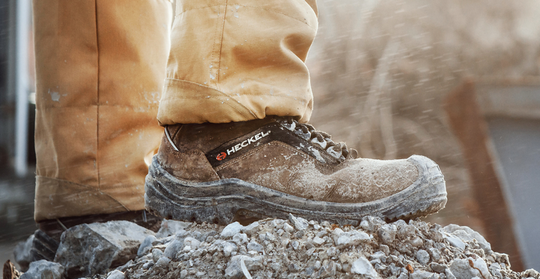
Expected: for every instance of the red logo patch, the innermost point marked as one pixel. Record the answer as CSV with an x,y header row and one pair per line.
x,y
221,156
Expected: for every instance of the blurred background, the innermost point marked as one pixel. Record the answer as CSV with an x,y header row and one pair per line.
x,y
383,75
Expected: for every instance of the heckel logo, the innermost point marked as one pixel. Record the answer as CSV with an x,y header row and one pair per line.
x,y
222,155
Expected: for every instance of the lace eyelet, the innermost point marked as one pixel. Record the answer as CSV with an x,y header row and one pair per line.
x,y
322,143
322,139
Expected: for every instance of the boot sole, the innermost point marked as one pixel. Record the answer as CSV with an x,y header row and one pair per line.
x,y
228,200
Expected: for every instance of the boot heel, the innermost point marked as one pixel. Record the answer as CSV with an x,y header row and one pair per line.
x,y
160,202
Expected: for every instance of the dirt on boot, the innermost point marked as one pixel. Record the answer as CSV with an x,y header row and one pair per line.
x,y
275,166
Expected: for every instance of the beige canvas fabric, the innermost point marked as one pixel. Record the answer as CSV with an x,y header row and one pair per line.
x,y
239,60
101,66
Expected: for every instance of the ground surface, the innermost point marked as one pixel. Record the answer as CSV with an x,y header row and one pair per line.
x,y
298,248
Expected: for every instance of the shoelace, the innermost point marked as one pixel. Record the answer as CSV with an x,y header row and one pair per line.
x,y
338,150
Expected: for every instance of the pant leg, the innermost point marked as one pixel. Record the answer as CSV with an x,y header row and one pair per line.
x,y
100,66
238,60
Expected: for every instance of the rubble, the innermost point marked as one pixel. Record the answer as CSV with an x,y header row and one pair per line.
x,y
275,248
22,253
90,249
363,267
44,269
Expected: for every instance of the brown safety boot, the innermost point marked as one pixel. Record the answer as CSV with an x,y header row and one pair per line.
x,y
271,167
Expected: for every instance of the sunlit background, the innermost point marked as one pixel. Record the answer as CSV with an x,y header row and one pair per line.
x,y
381,74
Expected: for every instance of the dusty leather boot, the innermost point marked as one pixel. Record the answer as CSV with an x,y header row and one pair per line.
x,y
271,167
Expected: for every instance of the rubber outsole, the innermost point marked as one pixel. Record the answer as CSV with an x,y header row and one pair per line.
x,y
227,200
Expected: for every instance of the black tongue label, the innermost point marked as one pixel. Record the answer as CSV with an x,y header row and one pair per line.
x,y
274,132
241,145
244,144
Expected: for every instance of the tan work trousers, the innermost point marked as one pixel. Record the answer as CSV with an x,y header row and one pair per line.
x,y
103,67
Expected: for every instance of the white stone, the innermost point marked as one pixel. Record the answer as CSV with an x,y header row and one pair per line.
x,y
277,223
192,242
254,246
332,251
461,268
435,255
234,267
116,274
365,225
298,222
495,270
288,228
240,238
422,256
162,262
387,233
251,228
269,236
380,255
417,242
44,269
467,234
156,254
173,248
228,248
336,233
231,229
352,238
328,270
148,264
420,274
439,268
317,240
481,265
146,245
455,241
369,223
449,274
363,267
170,227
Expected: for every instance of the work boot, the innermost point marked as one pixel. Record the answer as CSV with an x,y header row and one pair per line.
x,y
275,166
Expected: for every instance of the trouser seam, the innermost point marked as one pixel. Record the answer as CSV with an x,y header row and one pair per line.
x,y
213,89
224,93
97,98
244,6
221,41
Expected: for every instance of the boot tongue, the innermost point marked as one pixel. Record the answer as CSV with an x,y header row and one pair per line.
x,y
339,150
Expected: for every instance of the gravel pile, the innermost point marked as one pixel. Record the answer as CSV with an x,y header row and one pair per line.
x,y
297,248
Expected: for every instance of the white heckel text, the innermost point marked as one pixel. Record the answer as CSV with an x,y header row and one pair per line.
x,y
247,142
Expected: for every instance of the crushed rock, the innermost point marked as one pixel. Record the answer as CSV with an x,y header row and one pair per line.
x,y
298,248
